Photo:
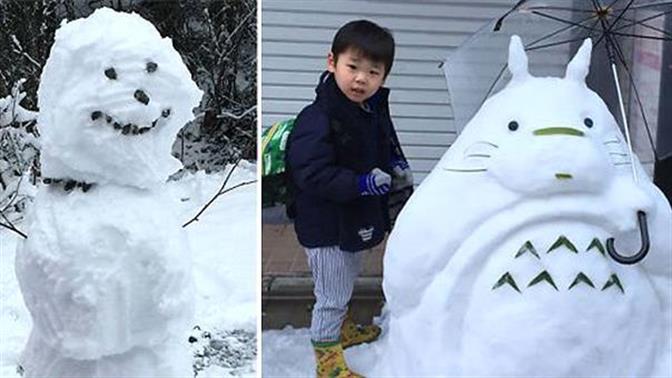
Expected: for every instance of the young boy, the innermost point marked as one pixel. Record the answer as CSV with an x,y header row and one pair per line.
x,y
340,157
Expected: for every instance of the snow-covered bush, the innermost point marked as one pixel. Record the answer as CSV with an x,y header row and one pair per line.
x,y
19,152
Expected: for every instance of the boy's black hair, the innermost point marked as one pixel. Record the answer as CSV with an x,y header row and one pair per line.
x,y
374,42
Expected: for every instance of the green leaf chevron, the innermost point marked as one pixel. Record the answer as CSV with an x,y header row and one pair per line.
x,y
562,240
613,281
543,276
527,247
506,279
581,278
597,245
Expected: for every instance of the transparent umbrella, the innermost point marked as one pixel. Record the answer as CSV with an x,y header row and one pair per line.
x,y
623,32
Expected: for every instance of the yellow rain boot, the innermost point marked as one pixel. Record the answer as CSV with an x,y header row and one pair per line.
x,y
353,334
331,362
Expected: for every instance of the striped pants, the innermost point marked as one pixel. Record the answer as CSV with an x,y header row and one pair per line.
x,y
334,273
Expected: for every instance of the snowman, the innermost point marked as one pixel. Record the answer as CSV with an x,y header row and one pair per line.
x,y
499,267
106,270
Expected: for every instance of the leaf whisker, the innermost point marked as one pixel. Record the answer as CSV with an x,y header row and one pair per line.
x,y
465,170
478,156
486,143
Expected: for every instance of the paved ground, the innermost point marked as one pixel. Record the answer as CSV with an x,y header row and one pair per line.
x,y
283,256
287,288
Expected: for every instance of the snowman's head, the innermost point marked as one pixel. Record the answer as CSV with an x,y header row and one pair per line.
x,y
542,135
112,97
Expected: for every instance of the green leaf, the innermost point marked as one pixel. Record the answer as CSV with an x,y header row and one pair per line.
x,y
506,278
597,245
613,280
527,247
543,276
581,278
558,131
562,240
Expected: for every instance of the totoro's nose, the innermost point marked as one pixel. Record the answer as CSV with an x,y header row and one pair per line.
x,y
141,96
558,131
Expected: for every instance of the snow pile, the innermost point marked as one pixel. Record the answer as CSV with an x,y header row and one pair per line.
x,y
513,278
224,274
106,270
112,96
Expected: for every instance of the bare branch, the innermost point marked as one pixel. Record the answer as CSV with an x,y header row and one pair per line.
x,y
11,226
25,54
241,24
234,116
220,192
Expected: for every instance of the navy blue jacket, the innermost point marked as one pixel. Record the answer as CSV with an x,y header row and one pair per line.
x,y
335,140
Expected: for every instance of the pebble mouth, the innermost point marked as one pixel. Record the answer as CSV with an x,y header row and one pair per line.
x,y
129,128
67,184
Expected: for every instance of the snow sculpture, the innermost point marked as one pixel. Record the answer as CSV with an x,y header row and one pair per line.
x,y
105,271
497,265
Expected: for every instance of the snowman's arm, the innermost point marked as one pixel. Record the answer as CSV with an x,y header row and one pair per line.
x,y
415,252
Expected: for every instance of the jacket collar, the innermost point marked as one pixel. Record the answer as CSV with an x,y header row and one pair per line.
x,y
327,91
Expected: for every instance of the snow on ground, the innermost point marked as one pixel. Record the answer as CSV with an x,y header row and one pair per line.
x,y
288,353
224,245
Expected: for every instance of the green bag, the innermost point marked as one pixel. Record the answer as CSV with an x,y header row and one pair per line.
x,y
273,148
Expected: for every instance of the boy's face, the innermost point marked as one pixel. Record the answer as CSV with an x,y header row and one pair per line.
x,y
356,76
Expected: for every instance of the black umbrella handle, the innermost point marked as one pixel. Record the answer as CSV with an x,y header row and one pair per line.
x,y
643,251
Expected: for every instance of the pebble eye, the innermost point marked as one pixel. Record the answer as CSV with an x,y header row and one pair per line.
x,y
513,125
151,67
588,122
111,73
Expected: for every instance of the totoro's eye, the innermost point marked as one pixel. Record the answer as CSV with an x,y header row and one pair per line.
x,y
151,67
513,125
111,73
588,122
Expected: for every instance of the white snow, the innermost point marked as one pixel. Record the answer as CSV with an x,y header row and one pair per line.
x,y
95,69
223,245
289,353
11,109
106,272
453,309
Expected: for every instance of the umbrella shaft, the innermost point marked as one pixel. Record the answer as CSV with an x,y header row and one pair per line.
x,y
625,122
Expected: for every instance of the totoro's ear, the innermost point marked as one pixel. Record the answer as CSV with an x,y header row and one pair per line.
x,y
517,58
577,69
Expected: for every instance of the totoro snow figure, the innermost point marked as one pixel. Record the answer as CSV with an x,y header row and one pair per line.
x,y
497,267
106,269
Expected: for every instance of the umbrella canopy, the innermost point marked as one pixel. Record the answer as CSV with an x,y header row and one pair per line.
x,y
627,34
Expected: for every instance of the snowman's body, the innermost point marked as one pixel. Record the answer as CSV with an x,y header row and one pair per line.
x,y
100,291
513,278
106,271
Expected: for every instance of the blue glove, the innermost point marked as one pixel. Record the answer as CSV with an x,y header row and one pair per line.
x,y
400,164
374,183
